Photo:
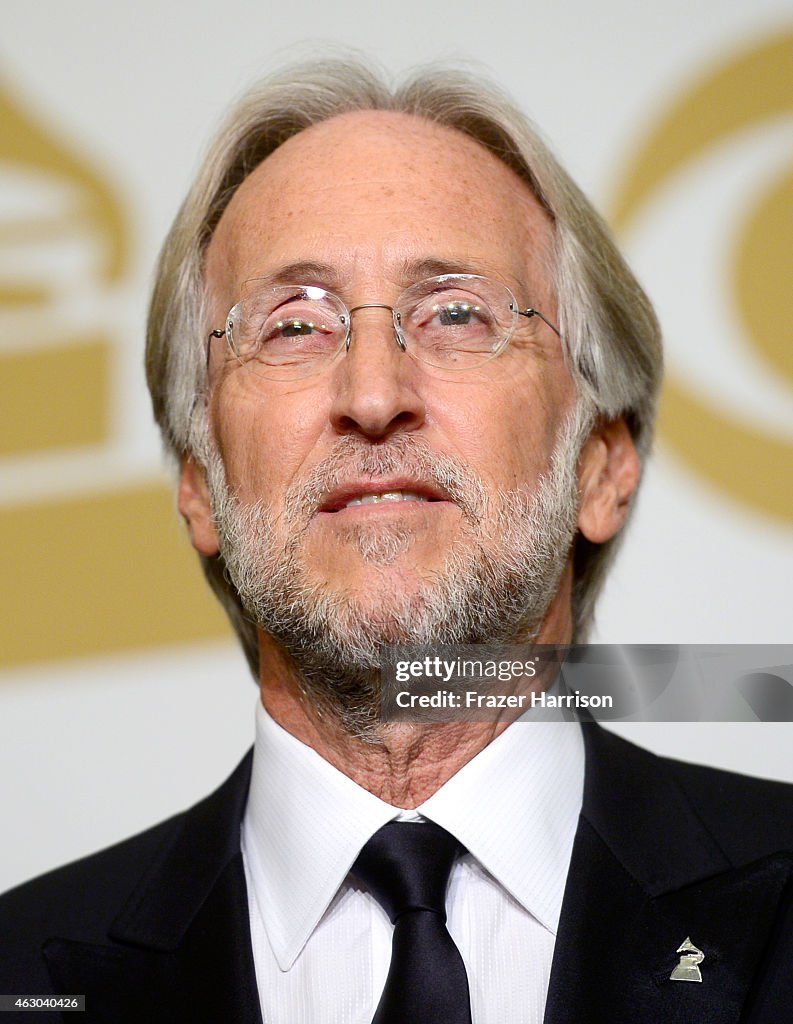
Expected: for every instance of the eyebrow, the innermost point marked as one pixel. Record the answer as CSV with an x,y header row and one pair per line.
x,y
410,270
435,266
303,272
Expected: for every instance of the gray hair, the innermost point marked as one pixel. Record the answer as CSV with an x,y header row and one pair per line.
x,y
610,333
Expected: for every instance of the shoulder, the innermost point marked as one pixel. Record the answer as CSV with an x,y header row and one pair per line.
x,y
748,817
751,816
82,900
79,900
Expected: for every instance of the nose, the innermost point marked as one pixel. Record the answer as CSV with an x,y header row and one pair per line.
x,y
377,385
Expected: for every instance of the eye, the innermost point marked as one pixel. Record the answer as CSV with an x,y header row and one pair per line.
x,y
456,313
446,315
299,328
297,319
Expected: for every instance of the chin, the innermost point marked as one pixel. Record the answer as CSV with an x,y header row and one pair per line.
x,y
361,550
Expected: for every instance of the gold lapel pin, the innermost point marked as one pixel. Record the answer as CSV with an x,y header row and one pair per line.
x,y
688,968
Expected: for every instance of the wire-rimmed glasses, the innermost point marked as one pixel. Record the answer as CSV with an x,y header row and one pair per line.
x,y
450,323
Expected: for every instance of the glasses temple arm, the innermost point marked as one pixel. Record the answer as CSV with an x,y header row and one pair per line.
x,y
529,313
210,336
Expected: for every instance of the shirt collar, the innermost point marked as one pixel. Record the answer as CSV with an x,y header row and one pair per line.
x,y
514,807
305,824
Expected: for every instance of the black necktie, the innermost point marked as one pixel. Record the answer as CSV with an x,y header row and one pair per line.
x,y
406,866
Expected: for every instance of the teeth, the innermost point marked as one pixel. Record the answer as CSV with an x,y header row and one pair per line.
x,y
374,499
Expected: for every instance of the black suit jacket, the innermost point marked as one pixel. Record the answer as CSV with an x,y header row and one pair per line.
x,y
156,928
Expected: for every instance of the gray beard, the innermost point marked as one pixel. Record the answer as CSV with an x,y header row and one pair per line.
x,y
495,585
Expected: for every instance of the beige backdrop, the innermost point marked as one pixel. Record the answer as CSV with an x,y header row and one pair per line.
x,y
121,696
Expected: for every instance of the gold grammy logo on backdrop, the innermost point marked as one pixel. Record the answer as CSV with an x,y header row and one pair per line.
x,y
87,568
745,459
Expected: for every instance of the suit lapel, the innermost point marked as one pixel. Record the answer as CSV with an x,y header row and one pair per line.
x,y
644,876
180,948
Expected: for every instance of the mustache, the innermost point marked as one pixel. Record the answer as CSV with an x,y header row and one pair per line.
x,y
352,457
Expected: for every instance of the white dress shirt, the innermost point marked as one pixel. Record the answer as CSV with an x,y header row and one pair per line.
x,y
322,943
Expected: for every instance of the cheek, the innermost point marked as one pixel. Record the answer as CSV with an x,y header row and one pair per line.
x,y
266,440
506,430
539,410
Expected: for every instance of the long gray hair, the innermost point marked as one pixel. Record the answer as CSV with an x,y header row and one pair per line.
x,y
610,333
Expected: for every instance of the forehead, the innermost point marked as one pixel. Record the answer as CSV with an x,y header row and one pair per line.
x,y
368,191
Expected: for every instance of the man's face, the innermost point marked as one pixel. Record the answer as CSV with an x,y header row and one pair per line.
x,y
372,197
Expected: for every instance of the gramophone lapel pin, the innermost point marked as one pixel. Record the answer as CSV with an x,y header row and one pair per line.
x,y
688,968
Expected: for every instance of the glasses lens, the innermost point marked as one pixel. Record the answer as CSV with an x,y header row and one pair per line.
x,y
456,322
285,333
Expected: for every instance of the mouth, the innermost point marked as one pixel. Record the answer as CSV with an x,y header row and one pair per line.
x,y
382,495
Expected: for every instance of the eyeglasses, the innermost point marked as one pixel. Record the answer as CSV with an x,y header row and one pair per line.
x,y
451,323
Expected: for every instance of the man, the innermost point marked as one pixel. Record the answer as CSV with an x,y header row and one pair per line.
x,y
409,382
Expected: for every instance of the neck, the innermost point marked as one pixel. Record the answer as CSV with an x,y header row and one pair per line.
x,y
406,763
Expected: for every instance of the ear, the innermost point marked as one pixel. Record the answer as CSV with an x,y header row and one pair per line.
x,y
195,507
608,474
